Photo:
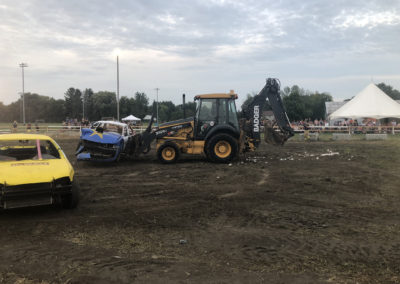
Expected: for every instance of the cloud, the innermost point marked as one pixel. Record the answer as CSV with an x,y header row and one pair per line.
x,y
369,20
195,45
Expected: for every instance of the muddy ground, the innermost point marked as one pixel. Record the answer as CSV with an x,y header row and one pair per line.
x,y
295,214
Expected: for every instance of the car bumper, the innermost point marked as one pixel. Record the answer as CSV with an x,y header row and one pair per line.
x,y
35,194
97,152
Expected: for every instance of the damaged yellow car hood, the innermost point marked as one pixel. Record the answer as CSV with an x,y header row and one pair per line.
x,y
34,171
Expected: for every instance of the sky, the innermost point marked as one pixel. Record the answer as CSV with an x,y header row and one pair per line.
x,y
197,47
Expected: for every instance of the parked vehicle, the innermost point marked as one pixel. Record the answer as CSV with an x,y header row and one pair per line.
x,y
105,141
35,171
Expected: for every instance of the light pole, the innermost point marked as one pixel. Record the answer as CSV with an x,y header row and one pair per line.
x,y
157,89
23,65
83,106
117,88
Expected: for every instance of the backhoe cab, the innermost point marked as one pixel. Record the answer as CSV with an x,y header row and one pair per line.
x,y
215,130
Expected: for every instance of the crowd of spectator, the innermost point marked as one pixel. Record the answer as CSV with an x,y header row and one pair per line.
x,y
310,122
75,122
344,122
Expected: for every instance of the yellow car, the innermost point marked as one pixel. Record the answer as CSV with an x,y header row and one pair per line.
x,y
35,171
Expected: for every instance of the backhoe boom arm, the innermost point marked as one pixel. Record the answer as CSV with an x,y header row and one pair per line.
x,y
253,114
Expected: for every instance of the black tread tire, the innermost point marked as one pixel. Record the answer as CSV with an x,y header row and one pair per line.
x,y
71,200
210,146
162,147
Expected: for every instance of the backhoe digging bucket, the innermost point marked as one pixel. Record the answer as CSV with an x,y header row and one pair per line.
x,y
272,137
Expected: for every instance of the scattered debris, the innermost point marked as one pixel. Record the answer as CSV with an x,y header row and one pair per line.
x,y
329,153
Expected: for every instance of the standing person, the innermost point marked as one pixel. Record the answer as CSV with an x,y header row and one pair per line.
x,y
306,131
15,126
37,127
28,127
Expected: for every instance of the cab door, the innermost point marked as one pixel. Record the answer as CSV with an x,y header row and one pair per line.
x,y
206,117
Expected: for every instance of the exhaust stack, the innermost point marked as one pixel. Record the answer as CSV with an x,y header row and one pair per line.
x,y
183,105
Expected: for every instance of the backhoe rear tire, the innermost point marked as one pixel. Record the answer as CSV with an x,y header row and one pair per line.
x,y
168,153
221,148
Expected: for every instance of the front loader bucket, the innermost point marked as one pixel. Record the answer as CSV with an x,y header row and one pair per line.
x,y
272,137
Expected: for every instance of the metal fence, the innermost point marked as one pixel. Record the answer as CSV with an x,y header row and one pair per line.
x,y
57,130
351,129
76,130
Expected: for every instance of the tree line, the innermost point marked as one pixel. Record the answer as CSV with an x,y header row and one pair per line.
x,y
300,104
89,105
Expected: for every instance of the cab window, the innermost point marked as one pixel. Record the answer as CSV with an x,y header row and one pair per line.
x,y
206,117
207,110
232,114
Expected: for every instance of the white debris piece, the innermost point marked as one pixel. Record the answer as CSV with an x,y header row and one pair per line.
x,y
330,153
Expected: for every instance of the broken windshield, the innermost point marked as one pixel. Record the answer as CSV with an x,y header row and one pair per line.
x,y
108,127
34,149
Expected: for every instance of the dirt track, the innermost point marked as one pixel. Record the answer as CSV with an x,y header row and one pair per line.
x,y
284,215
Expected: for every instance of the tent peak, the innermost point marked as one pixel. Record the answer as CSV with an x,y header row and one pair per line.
x,y
371,102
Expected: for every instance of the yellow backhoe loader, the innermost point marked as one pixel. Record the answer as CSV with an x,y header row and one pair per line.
x,y
215,130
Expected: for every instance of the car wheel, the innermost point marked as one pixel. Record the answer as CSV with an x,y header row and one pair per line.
x,y
71,200
78,146
222,148
168,153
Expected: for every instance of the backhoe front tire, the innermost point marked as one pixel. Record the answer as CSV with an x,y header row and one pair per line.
x,y
168,153
222,148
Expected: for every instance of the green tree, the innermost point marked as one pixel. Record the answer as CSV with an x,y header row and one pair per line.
x,y
390,91
250,98
294,103
317,104
37,107
104,105
55,110
166,110
177,112
140,105
88,103
13,111
73,103
301,104
125,106
3,110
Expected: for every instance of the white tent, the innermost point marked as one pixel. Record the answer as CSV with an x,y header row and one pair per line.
x,y
371,102
131,118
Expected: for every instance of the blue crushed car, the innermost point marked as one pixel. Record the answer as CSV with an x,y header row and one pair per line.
x,y
105,141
